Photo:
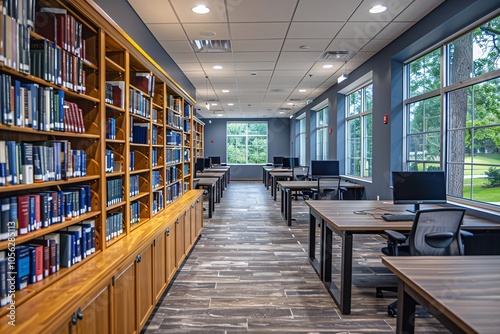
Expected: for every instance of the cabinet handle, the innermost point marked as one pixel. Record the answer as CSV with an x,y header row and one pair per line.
x,y
192,206
167,231
73,319
198,200
139,258
177,221
79,314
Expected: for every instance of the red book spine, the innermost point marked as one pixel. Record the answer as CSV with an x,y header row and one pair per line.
x,y
23,212
39,262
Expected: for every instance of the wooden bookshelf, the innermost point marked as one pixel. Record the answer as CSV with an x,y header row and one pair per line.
x,y
199,138
117,111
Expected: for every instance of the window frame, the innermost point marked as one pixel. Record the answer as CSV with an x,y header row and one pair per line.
x,y
246,136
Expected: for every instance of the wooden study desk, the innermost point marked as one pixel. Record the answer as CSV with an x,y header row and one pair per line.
x,y
347,218
220,182
278,174
220,168
287,187
265,175
210,184
462,292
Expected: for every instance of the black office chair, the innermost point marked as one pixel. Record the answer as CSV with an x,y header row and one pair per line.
x,y
435,232
300,173
329,189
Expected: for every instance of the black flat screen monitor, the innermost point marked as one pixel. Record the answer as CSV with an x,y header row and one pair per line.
x,y
322,168
208,163
199,165
418,188
290,162
277,161
215,160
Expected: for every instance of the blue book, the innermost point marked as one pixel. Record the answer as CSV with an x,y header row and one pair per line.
x,y
60,108
22,266
32,264
12,175
31,215
18,113
13,220
66,250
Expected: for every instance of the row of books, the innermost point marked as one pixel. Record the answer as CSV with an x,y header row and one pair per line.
x,y
110,162
173,138
187,126
134,185
110,128
139,103
62,28
27,163
157,201
173,192
174,103
135,213
40,108
114,191
115,93
154,156
31,212
187,110
56,65
155,179
187,155
140,133
154,135
114,225
39,258
16,22
172,174
174,120
173,155
144,81
186,170
132,160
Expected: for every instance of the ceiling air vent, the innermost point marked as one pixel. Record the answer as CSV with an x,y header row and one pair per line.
x,y
335,55
211,46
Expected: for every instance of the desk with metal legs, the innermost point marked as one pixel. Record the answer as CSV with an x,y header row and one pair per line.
x,y
210,184
347,218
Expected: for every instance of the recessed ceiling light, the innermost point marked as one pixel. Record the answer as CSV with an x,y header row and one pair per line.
x,y
217,67
230,104
302,90
328,66
289,104
201,9
282,112
378,9
219,115
225,91
214,104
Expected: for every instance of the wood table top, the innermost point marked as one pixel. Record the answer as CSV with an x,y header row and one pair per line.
x,y
207,181
465,289
314,184
365,216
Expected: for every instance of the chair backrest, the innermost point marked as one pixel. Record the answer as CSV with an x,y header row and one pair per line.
x,y
436,221
328,188
300,173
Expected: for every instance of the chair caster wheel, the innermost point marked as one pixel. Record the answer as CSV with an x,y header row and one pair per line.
x,y
391,312
379,294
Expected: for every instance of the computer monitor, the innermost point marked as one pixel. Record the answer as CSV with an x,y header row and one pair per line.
x,y
277,161
215,160
290,162
324,168
199,165
415,187
207,163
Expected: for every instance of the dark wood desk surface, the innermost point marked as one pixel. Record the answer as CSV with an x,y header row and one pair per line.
x,y
314,184
463,292
347,218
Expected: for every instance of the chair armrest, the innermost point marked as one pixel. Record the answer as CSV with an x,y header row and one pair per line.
x,y
465,234
395,236
439,239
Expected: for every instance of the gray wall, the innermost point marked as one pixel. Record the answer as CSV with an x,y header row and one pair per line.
x,y
387,74
278,144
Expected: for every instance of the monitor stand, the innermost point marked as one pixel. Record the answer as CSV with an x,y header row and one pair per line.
x,y
416,207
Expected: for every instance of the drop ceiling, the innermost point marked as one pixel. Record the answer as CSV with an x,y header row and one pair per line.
x,y
277,47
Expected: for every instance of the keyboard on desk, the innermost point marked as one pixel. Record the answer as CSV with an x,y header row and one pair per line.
x,y
398,217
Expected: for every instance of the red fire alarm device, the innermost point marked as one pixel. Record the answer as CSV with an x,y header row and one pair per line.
x,y
330,131
212,141
386,118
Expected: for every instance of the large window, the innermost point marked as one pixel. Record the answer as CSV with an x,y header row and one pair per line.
x,y
302,141
453,114
359,106
246,142
322,134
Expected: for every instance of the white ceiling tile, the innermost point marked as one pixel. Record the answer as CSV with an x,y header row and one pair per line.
x,y
393,30
288,65
345,44
215,58
258,30
300,56
261,10
173,47
307,30
376,44
167,31
394,8
417,10
325,10
157,11
361,32
195,31
258,45
313,44
254,66
255,56
186,15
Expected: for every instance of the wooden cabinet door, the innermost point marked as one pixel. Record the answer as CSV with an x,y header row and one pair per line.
x,y
198,216
187,231
94,317
124,294
180,249
160,265
171,262
145,299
